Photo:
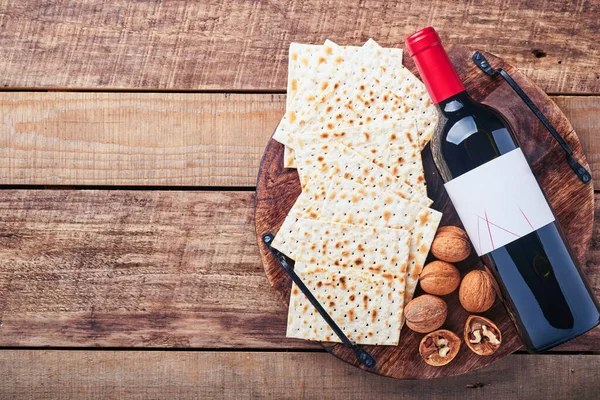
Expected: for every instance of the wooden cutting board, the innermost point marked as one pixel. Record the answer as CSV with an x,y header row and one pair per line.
x,y
572,201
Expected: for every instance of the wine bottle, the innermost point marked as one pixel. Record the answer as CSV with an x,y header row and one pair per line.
x,y
503,208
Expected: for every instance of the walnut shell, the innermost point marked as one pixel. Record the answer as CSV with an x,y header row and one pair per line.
x,y
476,293
482,336
439,348
439,278
425,313
451,244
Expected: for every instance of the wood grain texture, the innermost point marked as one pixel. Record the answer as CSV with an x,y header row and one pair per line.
x,y
148,269
571,200
134,269
241,45
140,139
134,138
237,375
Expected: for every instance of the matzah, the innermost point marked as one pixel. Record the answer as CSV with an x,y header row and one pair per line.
x,y
367,307
350,203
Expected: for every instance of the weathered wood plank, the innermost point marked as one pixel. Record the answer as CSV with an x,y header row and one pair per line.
x,y
134,269
243,375
147,269
236,44
165,139
134,138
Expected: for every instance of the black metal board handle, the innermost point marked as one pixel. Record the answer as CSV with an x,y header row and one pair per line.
x,y
362,355
483,64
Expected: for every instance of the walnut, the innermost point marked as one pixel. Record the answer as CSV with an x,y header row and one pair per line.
x,y
482,336
476,293
451,244
425,313
439,278
439,348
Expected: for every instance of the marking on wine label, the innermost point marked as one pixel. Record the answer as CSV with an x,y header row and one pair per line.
x,y
527,219
489,230
501,197
488,222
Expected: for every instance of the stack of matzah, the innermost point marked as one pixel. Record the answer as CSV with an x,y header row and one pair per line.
x,y
355,123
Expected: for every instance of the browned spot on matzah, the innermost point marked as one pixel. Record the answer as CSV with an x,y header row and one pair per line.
x,y
387,215
324,85
375,268
423,218
292,116
358,261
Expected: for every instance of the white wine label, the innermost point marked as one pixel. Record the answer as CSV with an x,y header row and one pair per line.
x,y
499,202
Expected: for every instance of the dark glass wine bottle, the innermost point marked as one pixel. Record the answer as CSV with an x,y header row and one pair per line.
x,y
548,298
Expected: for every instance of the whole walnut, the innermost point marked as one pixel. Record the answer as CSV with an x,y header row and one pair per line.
x,y
439,278
476,293
425,313
451,244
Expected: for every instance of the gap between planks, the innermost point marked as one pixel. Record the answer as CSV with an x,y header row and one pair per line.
x,y
163,140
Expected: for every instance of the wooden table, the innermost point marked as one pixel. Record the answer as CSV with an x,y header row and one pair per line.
x,y
130,138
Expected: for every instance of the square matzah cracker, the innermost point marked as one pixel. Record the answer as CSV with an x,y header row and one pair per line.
x,y
318,161
392,94
393,146
349,203
375,250
311,69
367,307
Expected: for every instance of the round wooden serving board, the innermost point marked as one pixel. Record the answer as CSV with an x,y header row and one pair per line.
x,y
572,201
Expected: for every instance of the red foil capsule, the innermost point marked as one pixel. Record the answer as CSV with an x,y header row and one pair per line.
x,y
436,69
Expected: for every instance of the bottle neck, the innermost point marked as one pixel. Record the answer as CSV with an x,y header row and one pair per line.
x,y
434,65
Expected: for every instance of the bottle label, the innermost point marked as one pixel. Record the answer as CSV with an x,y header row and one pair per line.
x,y
499,202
